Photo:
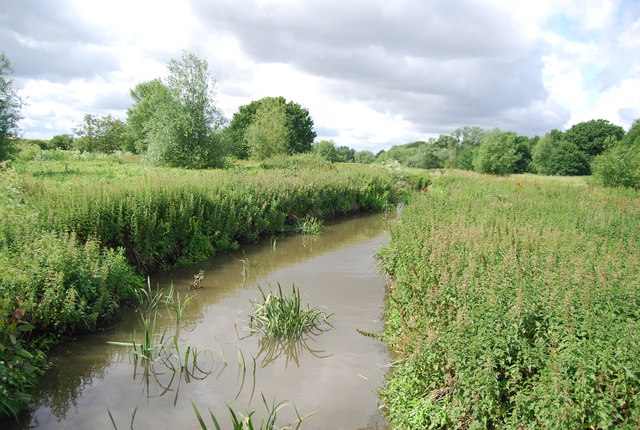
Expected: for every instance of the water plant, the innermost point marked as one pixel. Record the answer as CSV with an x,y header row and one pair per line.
x,y
309,225
247,420
282,316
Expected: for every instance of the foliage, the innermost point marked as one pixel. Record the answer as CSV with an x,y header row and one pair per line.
x,y
309,225
553,155
464,159
184,129
295,163
326,149
51,282
283,317
99,134
10,106
266,136
162,216
514,304
62,141
469,136
364,157
345,154
618,166
299,126
498,153
593,137
147,97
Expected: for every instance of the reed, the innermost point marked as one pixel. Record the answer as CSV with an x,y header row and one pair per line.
x,y
282,316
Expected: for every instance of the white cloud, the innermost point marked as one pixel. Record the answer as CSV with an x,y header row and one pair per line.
x,y
372,72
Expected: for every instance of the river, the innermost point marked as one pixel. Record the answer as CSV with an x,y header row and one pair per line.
x,y
333,375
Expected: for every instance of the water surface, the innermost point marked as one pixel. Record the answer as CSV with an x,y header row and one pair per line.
x,y
335,373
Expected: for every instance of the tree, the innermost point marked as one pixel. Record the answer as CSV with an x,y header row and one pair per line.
x,y
591,137
469,136
619,166
10,106
62,141
364,157
267,135
554,155
345,154
147,98
99,134
184,131
498,153
299,125
326,149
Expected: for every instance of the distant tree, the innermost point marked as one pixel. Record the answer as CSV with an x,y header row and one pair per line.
x,y
633,135
267,135
147,97
99,134
185,129
364,157
469,136
300,133
591,137
554,155
464,159
619,166
10,107
326,149
498,153
345,154
62,141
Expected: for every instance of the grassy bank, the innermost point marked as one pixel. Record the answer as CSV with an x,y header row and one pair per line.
x,y
74,227
514,304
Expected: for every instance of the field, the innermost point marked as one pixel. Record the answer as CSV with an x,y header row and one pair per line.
x,y
514,304
79,230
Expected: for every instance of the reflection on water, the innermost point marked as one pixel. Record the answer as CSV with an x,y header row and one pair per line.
x,y
336,373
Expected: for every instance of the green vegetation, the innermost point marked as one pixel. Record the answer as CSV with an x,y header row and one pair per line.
x,y
283,317
291,123
514,304
74,224
10,105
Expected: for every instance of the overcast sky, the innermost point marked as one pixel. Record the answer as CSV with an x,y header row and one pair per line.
x,y
372,73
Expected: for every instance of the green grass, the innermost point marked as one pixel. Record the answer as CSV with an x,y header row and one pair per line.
x,y
514,304
284,317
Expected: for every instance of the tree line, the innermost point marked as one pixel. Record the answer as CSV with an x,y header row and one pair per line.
x,y
175,121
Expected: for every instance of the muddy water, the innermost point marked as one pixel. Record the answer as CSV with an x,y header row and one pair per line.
x,y
334,374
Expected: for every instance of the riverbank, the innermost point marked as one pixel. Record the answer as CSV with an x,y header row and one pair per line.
x,y
514,303
75,227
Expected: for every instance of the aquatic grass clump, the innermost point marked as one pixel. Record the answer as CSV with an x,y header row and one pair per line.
x,y
309,225
240,421
283,317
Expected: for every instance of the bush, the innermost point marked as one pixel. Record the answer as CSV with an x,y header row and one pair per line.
x,y
618,167
498,154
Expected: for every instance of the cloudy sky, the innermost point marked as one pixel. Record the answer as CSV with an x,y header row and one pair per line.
x,y
372,73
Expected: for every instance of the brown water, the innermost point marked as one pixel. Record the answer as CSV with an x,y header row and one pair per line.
x,y
335,373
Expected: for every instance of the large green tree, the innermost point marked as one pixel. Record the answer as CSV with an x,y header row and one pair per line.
x,y
10,107
498,153
267,136
184,130
619,166
99,134
327,150
147,97
299,125
593,137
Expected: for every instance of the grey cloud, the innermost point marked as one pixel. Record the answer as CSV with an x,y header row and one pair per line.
x,y
43,40
438,63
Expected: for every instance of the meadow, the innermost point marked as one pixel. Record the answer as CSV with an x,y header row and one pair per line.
x,y
514,304
80,230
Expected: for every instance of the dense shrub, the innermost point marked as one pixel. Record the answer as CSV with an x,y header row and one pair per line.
x,y
514,304
618,167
